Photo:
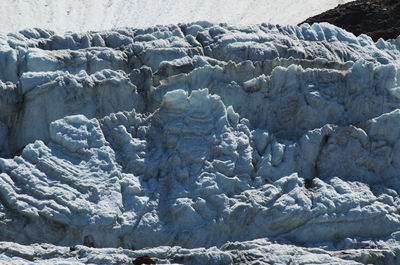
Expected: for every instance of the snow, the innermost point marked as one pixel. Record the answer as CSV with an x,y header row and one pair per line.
x,y
85,15
200,144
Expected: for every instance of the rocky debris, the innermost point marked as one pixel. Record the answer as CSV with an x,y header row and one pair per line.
x,y
143,260
376,18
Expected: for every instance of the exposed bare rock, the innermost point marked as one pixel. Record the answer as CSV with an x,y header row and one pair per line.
x,y
376,18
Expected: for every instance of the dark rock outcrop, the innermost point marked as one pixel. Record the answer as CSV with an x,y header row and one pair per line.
x,y
376,18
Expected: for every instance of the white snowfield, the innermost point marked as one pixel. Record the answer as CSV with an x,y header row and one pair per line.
x,y
200,144
85,15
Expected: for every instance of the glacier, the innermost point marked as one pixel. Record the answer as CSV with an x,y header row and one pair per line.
x,y
200,143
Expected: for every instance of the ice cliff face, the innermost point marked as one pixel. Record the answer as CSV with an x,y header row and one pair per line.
x,y
195,136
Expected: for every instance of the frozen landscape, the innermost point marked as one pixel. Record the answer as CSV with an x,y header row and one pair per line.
x,y
199,143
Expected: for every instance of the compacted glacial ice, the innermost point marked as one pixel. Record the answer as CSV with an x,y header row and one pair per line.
x,y
200,144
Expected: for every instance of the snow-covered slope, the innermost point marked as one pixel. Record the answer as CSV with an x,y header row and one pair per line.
x,y
196,136
84,15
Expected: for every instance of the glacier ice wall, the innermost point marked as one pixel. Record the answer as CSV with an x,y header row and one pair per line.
x,y
201,134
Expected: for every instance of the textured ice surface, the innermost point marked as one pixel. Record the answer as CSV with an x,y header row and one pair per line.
x,y
259,251
200,144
